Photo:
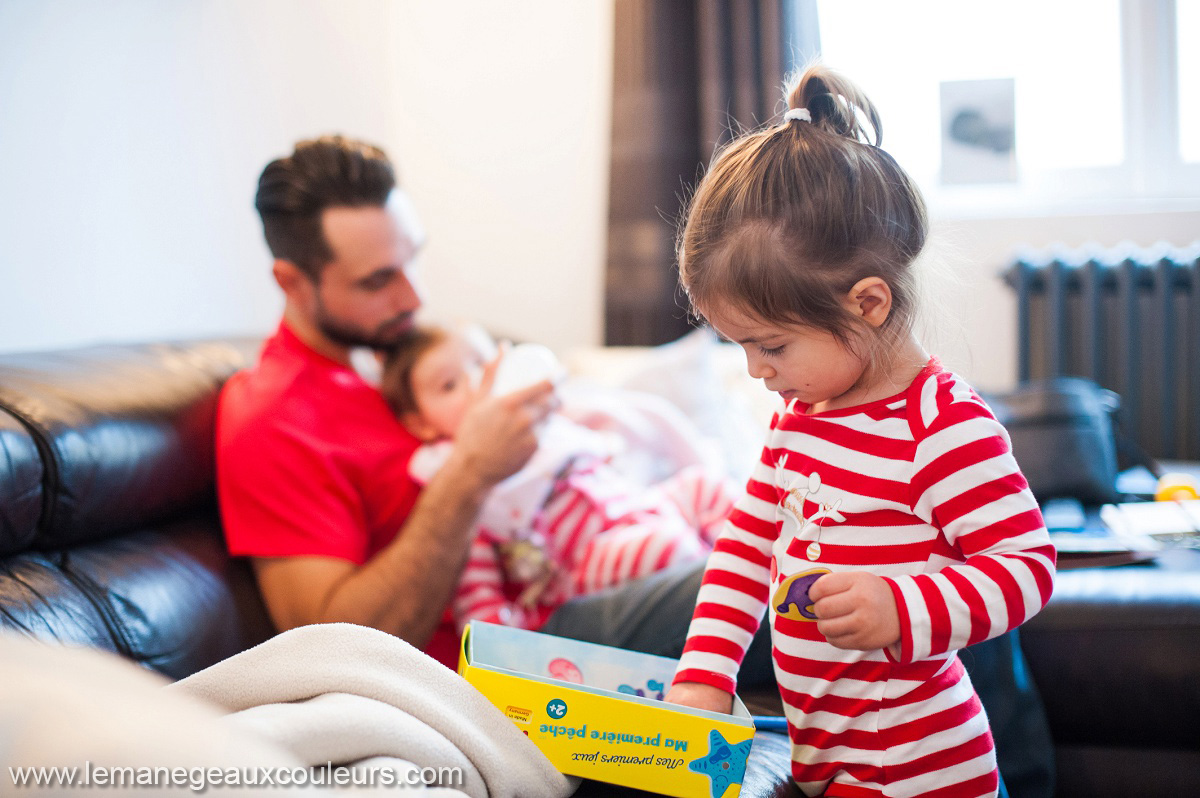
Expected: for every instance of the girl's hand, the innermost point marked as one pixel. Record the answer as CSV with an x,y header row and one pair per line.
x,y
700,696
856,610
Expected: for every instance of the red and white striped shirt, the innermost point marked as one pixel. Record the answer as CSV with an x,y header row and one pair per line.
x,y
598,528
921,489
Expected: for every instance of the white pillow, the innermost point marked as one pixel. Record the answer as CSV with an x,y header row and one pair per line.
x,y
703,377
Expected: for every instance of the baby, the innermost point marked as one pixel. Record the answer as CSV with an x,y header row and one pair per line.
x,y
568,523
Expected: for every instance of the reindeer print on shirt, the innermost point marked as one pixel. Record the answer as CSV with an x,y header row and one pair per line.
x,y
793,502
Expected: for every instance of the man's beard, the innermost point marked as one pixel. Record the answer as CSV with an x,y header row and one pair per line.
x,y
386,336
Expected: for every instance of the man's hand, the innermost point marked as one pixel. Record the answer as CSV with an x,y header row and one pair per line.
x,y
700,696
498,433
856,610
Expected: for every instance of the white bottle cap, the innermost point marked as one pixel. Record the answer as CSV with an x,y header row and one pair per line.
x,y
524,365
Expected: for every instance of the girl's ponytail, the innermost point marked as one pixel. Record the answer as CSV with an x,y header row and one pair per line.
x,y
836,105
791,216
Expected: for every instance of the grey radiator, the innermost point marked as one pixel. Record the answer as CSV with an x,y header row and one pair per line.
x,y
1128,319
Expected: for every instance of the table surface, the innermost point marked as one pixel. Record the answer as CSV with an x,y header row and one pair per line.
x,y
1139,484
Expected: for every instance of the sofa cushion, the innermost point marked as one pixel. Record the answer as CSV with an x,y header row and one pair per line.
x,y
20,485
37,598
125,432
1115,652
168,598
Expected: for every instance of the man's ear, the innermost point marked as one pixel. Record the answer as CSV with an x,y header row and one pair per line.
x,y
870,299
291,280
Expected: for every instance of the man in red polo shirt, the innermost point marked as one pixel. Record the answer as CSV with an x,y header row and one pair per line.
x,y
312,467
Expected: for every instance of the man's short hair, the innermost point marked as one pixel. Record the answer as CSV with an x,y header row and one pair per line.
x,y
328,172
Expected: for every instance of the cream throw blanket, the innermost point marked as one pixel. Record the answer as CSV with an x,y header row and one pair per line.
x,y
356,696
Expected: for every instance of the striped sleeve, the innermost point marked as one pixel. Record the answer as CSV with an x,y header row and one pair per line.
x,y
735,589
998,561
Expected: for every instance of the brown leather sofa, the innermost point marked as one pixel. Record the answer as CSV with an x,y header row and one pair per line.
x,y
109,537
1116,655
108,529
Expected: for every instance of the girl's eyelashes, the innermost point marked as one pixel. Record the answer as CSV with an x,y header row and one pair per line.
x,y
773,351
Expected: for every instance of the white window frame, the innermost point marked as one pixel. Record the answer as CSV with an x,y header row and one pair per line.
x,y
1152,177
1151,73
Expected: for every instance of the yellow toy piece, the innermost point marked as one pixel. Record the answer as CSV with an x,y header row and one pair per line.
x,y
1176,487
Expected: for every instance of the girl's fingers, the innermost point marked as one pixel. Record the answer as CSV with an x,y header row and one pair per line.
x,y
835,606
838,627
829,584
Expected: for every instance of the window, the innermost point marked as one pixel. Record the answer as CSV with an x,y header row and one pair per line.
x,y
1187,29
1106,94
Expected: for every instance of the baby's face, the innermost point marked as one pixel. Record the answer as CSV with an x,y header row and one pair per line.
x,y
444,381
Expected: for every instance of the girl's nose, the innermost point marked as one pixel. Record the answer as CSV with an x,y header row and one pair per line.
x,y
758,368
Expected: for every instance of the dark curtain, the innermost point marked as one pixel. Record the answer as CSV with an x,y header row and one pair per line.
x,y
687,75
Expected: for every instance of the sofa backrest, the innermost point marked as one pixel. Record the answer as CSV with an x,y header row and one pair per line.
x,y
21,494
108,528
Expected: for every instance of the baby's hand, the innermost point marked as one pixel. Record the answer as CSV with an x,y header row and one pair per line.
x,y
856,610
700,696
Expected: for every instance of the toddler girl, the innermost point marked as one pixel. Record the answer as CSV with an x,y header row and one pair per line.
x,y
568,523
886,525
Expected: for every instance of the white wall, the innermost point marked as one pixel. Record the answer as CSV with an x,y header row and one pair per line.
x,y
132,133
503,114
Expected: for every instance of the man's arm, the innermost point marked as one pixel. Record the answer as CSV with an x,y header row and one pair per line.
x,y
405,588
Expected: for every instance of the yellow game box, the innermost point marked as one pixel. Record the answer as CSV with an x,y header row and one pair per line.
x,y
597,712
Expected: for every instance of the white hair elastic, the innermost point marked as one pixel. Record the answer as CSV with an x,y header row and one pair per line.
x,y
797,113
